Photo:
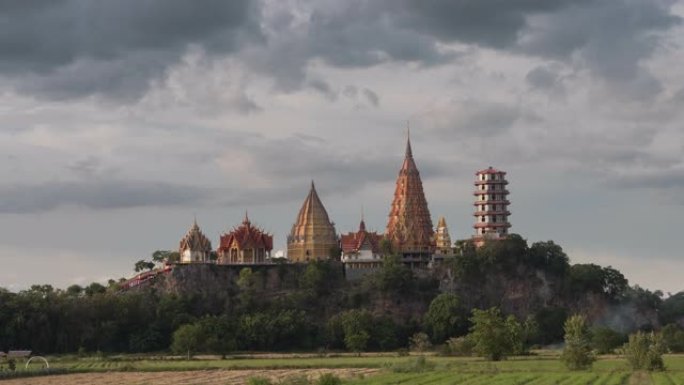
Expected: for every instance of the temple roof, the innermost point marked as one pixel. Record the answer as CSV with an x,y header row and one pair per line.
x,y
410,227
195,240
490,170
312,217
246,236
441,222
353,242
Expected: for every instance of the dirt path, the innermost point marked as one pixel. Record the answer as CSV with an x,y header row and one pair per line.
x,y
204,377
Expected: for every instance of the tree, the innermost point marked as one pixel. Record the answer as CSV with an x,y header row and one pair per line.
x,y
644,351
420,342
550,257
187,339
143,265
356,325
673,338
605,340
491,334
577,354
444,317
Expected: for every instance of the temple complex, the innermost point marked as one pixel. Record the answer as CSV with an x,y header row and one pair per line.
x,y
409,228
312,236
245,244
194,247
491,205
361,250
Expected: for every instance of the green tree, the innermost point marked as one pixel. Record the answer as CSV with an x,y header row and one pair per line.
x,y
357,326
143,265
644,351
577,354
444,317
420,342
673,338
605,340
491,334
187,339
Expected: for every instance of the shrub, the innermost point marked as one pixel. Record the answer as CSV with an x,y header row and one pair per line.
x,y
673,338
259,381
494,337
460,346
420,342
577,354
644,351
294,380
416,365
605,340
328,379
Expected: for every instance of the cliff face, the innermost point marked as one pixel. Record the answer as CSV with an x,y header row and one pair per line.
x,y
213,279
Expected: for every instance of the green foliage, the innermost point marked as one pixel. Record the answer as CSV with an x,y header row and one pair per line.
x,y
392,278
549,257
418,364
187,339
259,381
591,278
672,309
460,346
420,342
605,340
493,336
445,317
644,351
356,325
673,338
550,322
143,265
328,379
577,353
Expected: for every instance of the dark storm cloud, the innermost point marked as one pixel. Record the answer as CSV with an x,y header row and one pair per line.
x,y
94,194
71,48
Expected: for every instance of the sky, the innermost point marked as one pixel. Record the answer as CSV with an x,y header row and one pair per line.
x,y
122,121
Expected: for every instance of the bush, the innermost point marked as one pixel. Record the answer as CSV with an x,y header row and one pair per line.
x,y
420,342
494,337
644,351
416,365
259,381
605,340
328,379
577,354
460,346
294,380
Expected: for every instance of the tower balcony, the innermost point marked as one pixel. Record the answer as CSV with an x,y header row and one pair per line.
x,y
486,182
491,225
500,192
491,202
491,212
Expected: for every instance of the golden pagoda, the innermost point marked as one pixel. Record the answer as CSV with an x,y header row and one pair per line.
x,y
313,236
442,239
409,228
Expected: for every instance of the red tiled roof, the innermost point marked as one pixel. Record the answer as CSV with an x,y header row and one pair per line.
x,y
354,241
246,236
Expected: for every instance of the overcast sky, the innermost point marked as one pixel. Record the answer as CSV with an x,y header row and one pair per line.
x,y
122,120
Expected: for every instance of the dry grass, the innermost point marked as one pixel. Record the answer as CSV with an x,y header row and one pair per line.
x,y
203,377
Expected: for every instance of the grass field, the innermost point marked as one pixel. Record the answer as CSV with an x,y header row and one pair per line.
x,y
365,370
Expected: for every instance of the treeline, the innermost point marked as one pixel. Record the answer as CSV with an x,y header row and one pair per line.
x,y
391,309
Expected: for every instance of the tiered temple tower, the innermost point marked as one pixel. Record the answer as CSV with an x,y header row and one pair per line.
x,y
443,245
194,247
491,205
313,236
245,244
409,228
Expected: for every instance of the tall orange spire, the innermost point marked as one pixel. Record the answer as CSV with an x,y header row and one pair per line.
x,y
410,227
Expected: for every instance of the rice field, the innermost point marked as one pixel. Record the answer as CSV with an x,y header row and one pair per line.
x,y
377,369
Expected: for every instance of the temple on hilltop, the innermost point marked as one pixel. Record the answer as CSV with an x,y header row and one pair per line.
x,y
245,244
491,205
409,229
443,246
194,247
312,236
361,251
